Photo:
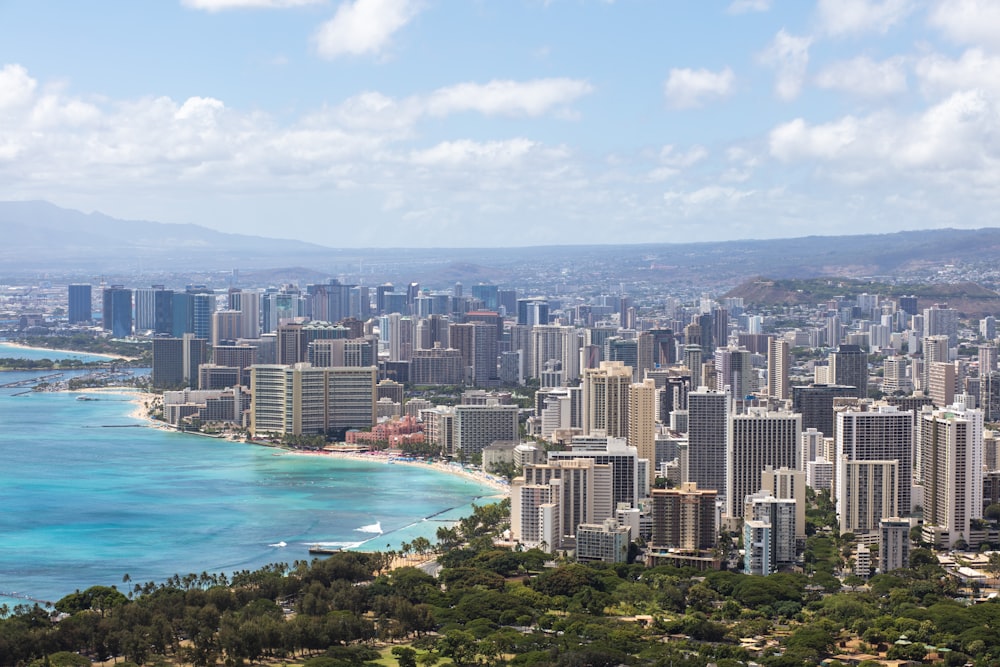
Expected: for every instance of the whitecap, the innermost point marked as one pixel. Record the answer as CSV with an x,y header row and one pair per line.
x,y
279,544
373,528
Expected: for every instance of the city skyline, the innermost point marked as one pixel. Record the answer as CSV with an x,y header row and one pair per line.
x,y
349,123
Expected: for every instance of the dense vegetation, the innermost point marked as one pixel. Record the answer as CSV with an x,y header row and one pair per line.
x,y
82,341
495,606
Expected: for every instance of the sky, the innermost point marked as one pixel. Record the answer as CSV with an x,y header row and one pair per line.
x,y
503,123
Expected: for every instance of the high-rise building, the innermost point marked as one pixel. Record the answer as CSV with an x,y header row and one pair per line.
x,y
815,403
734,369
488,295
202,307
935,351
248,303
301,399
894,376
894,547
684,527
989,396
768,533
578,493
437,366
168,363
117,311
484,353
849,367
532,312
708,420
605,399
779,362
479,426
552,342
755,442
951,453
988,327
642,422
154,310
941,381
628,480
865,492
788,484
939,319
227,327
605,542
692,359
81,308
624,350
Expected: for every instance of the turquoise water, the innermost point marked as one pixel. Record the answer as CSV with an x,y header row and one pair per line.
x,y
87,495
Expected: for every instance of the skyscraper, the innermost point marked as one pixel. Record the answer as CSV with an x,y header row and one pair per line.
x,y
849,367
951,452
708,418
642,422
684,527
80,305
757,441
605,399
117,311
885,434
778,363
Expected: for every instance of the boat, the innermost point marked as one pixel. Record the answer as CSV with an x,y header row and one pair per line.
x,y
320,550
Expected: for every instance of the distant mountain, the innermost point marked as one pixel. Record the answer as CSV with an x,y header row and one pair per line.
x,y
42,236
971,299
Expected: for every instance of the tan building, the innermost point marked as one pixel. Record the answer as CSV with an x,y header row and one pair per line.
x,y
302,399
642,422
605,399
684,527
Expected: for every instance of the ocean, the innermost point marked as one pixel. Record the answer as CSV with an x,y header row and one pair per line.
x,y
89,495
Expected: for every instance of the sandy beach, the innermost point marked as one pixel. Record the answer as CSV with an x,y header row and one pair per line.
x,y
142,402
389,458
50,349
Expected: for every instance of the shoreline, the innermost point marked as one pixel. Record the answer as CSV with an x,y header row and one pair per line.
x,y
141,402
22,346
478,476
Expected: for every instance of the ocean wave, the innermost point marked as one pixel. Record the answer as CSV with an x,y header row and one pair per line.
x,y
342,545
373,528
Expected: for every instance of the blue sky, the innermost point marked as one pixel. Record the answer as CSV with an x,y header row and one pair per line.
x,y
507,123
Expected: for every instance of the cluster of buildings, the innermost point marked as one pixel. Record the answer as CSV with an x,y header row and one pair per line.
x,y
868,398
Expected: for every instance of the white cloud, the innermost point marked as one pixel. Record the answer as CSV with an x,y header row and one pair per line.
x,y
865,77
16,87
464,152
671,157
710,194
973,70
690,88
846,17
507,98
789,56
955,136
363,26
221,5
745,6
968,21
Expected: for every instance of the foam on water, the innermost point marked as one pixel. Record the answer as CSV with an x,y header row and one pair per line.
x,y
373,528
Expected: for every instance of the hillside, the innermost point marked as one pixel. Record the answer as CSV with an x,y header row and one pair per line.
x,y
971,299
